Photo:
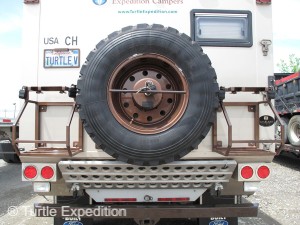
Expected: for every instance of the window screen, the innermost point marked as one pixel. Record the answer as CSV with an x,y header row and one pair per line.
x,y
222,28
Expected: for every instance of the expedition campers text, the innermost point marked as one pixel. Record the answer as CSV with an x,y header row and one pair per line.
x,y
133,2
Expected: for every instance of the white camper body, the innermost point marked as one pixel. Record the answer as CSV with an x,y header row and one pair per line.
x,y
82,24
58,36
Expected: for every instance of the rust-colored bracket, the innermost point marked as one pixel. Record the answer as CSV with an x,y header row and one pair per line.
x,y
41,145
251,108
43,108
253,145
229,128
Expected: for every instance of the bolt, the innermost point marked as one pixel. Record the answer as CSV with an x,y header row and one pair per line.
x,y
147,198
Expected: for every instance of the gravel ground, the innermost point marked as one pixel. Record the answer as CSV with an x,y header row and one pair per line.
x,y
2,163
279,197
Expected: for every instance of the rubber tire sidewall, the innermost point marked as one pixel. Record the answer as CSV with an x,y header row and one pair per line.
x,y
285,121
11,158
132,147
293,121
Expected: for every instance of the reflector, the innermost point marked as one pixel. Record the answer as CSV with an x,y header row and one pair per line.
x,y
120,199
47,172
173,199
263,172
30,172
247,172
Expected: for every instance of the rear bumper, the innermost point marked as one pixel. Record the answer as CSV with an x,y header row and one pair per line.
x,y
142,211
118,175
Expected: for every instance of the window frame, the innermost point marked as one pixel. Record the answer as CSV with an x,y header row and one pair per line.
x,y
223,42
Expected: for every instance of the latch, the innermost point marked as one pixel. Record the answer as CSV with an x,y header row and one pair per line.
x,y
271,93
75,189
265,46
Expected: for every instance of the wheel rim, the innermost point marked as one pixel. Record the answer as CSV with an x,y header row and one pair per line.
x,y
295,134
147,113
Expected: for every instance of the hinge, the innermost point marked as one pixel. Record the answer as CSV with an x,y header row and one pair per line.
x,y
264,2
31,1
271,86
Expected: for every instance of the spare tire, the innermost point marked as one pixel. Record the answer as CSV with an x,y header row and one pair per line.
x,y
121,103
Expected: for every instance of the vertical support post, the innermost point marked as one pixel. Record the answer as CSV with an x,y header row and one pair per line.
x,y
214,134
256,125
14,128
37,135
229,129
68,128
80,135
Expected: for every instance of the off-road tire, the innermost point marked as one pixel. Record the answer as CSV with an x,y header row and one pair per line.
x,y
294,130
285,121
156,147
11,158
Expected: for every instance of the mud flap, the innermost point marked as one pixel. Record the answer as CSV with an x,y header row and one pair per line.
x,y
210,199
72,220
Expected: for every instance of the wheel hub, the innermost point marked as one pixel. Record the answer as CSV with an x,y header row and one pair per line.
x,y
147,101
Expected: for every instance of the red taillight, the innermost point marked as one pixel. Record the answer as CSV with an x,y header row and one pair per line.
x,y
173,199
120,199
246,172
30,172
263,172
47,172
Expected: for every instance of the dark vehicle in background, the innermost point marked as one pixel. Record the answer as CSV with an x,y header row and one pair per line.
x,y
7,152
287,104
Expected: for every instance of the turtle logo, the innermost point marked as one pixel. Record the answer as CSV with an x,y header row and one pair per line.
x,y
99,2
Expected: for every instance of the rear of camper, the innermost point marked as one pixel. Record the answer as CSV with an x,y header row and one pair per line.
x,y
147,109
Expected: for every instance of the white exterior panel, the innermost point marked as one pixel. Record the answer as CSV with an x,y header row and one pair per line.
x,y
81,24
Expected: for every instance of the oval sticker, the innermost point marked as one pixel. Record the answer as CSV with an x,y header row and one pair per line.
x,y
72,223
218,222
266,121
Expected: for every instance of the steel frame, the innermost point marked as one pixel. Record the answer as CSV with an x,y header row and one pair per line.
x,y
41,150
252,107
40,145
